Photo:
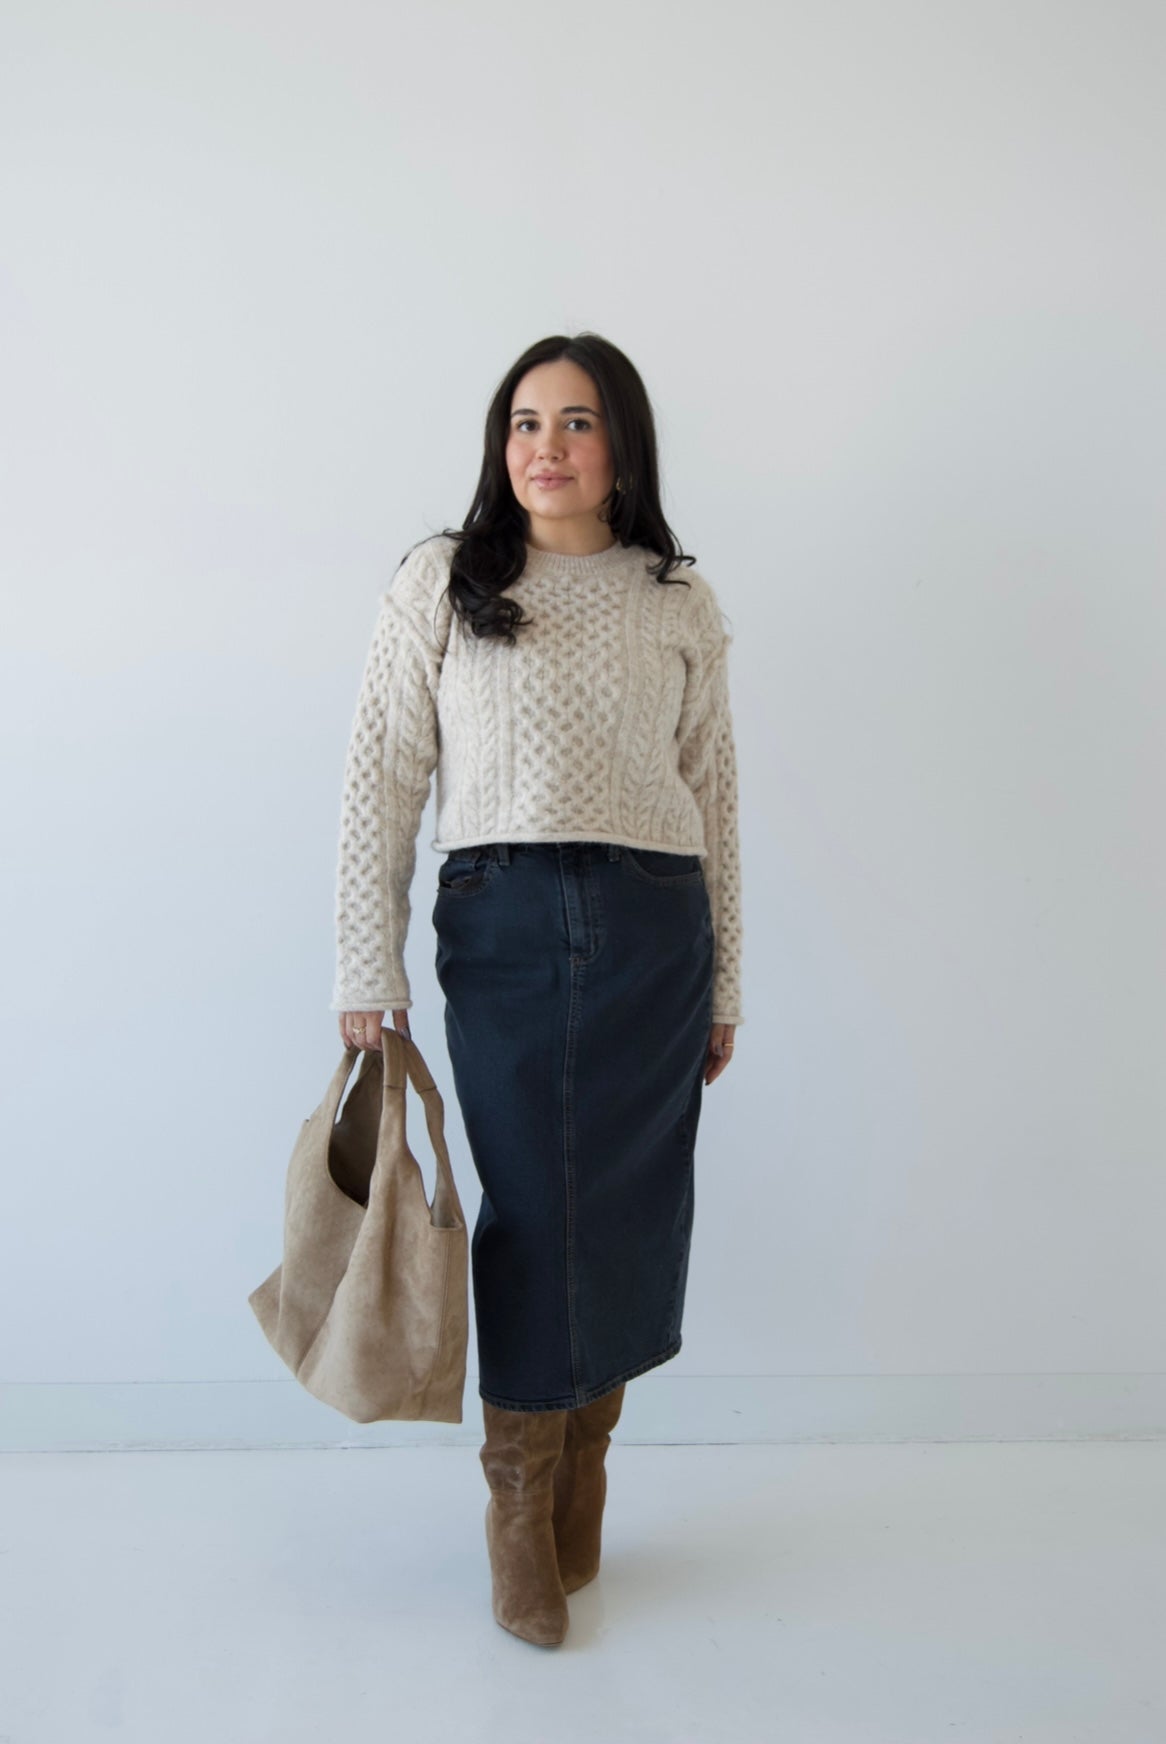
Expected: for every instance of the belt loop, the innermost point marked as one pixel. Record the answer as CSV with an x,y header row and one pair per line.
x,y
613,850
503,851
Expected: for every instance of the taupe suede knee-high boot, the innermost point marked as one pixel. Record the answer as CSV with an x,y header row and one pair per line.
x,y
581,1488
518,1457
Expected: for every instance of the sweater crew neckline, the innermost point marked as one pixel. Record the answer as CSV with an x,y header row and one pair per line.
x,y
554,563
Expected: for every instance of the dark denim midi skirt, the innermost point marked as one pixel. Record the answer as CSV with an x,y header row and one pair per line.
x,y
578,982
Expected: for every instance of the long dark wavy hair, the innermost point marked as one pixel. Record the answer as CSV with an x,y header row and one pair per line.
x,y
491,546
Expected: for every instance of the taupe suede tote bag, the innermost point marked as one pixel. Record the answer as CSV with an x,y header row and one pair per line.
x,y
370,1306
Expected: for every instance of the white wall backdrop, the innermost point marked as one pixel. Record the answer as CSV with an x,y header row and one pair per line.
x,y
894,276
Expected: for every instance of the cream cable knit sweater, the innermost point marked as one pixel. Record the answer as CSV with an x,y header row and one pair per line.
x,y
607,721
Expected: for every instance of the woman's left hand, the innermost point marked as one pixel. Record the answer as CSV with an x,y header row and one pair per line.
x,y
720,1050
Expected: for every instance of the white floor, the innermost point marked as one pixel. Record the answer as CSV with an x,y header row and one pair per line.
x,y
1000,1593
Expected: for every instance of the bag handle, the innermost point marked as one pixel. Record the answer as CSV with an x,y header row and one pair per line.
x,y
402,1059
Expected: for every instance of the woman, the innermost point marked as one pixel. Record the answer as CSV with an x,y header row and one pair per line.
x,y
572,695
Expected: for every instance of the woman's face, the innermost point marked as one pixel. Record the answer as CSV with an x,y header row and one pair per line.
x,y
557,432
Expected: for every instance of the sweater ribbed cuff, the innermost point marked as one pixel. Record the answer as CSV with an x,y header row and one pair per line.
x,y
363,1002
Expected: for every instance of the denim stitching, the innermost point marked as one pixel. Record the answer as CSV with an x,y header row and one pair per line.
x,y
569,1113
583,1396
569,1164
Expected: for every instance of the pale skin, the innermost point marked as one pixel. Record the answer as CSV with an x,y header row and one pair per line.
x,y
556,427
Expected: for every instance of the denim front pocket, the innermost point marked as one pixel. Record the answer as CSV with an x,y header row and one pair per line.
x,y
658,867
466,871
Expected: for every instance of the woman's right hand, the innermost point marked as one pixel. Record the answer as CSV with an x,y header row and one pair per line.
x,y
362,1029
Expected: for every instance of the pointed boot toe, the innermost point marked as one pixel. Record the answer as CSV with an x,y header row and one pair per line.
x,y
526,1599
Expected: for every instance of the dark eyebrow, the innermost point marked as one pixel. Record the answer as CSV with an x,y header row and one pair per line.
x,y
529,411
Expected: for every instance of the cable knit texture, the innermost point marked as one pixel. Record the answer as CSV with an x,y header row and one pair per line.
x,y
607,721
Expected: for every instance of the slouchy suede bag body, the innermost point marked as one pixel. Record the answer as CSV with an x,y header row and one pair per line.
x,y
370,1307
